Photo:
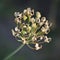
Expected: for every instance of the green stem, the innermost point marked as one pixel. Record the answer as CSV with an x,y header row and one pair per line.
x,y
14,52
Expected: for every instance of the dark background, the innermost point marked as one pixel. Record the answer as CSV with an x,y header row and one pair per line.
x,y
48,8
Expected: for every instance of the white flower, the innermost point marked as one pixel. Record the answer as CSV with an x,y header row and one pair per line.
x,y
24,17
28,11
43,19
20,15
41,37
32,20
17,20
13,32
25,11
46,23
43,29
47,31
24,26
34,25
46,39
46,26
41,23
16,34
16,14
16,29
34,38
38,15
23,39
37,20
37,46
50,24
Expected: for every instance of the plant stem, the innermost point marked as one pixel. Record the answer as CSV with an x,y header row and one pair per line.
x,y
14,52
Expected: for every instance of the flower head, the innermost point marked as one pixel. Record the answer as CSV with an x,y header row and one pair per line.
x,y
31,29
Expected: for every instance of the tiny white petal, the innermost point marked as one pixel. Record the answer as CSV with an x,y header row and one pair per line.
x,y
37,46
29,9
17,20
47,39
25,11
16,29
41,37
50,24
38,20
46,23
32,20
24,26
47,31
16,14
43,29
34,38
46,26
17,34
38,15
41,23
20,15
43,19
13,32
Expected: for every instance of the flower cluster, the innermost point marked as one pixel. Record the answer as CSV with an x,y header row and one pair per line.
x,y
31,29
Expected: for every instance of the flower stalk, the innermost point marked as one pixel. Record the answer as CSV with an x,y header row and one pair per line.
x,y
14,52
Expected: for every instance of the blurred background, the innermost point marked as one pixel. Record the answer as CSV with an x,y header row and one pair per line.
x,y
48,8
